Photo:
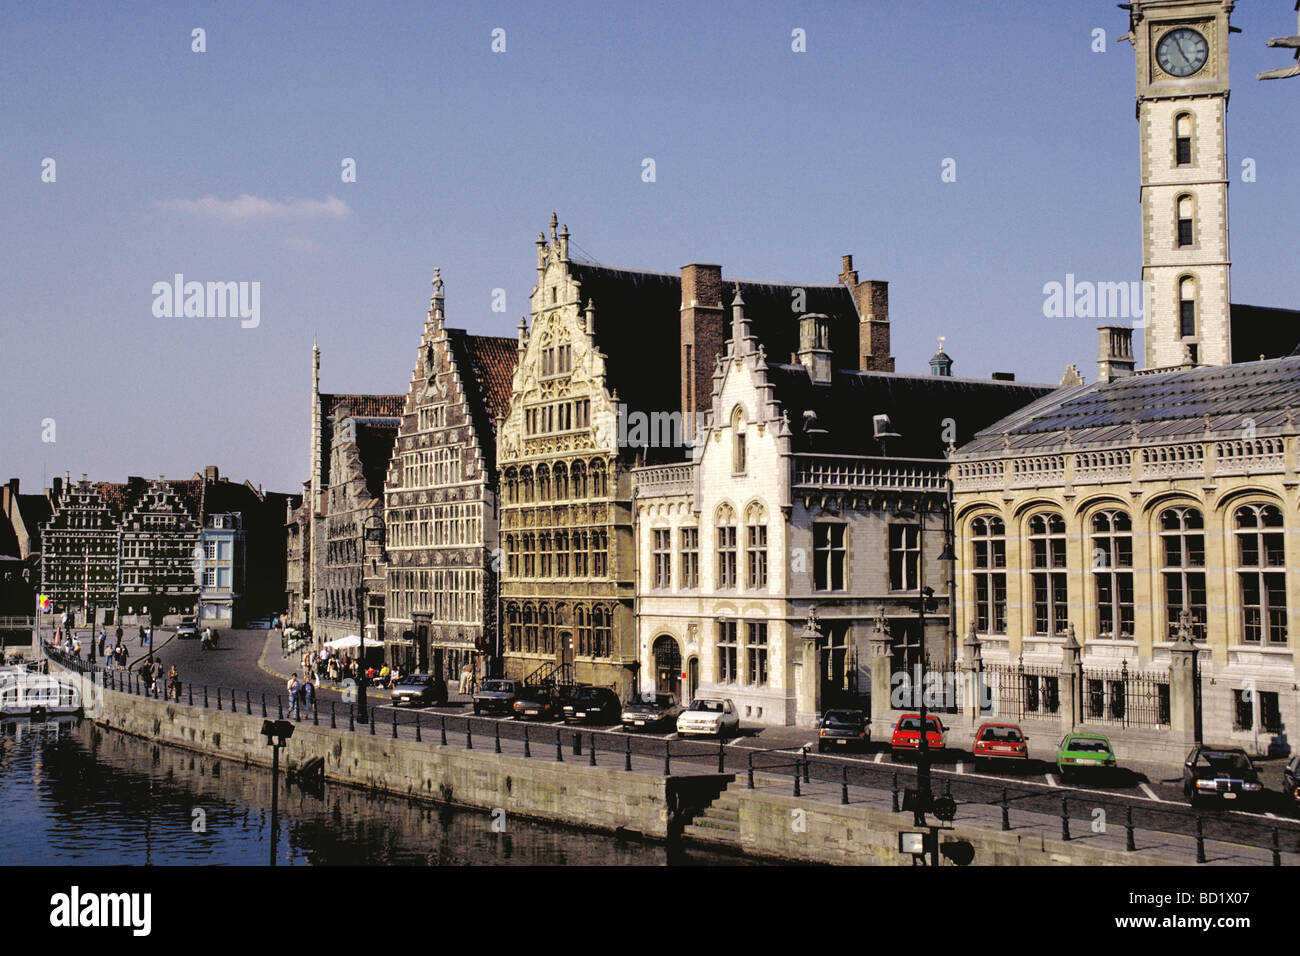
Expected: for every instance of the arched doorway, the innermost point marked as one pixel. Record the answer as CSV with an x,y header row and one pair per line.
x,y
668,666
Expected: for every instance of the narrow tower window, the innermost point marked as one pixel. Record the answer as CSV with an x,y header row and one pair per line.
x,y
1183,139
1186,306
1185,214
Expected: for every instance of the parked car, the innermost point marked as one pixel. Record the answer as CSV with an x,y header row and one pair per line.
x,y
1000,742
422,689
1291,781
497,696
709,716
907,734
1090,753
843,730
188,627
593,705
537,703
651,711
1225,773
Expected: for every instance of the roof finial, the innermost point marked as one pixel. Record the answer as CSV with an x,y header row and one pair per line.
x,y
555,221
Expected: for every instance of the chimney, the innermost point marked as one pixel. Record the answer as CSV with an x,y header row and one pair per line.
x,y
1115,357
815,347
871,299
10,496
1004,376
210,473
702,336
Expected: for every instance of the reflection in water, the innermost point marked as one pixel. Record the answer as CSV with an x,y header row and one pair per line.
x,y
72,793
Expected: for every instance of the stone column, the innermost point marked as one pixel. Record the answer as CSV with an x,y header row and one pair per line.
x,y
1184,720
882,658
972,667
1070,682
808,702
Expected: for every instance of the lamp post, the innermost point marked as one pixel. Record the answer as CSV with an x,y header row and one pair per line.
x,y
373,529
277,734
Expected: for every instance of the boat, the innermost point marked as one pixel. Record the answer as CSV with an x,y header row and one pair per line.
x,y
27,694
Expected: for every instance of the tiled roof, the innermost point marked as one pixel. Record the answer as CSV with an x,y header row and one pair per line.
x,y
1262,331
1215,399
494,360
919,408
363,405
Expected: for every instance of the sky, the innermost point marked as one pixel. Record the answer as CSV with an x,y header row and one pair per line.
x,y
227,165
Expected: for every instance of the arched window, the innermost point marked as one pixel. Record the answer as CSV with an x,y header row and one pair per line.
x,y
530,629
560,475
514,633
547,615
738,441
599,554
528,545
1183,139
512,556
599,486
602,632
561,554
512,486
1186,306
578,549
1048,575
1112,571
725,522
544,554
582,630
579,479
526,485
988,534
1182,543
543,483
1261,573
1186,212
756,547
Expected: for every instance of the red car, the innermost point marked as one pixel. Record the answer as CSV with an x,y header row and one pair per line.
x,y
1000,742
907,734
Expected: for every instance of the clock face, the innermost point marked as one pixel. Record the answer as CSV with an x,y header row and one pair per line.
x,y
1182,52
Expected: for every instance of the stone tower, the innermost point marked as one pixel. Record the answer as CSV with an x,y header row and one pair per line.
x,y
1181,50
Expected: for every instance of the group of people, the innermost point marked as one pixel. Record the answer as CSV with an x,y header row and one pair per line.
x,y
328,665
302,696
152,675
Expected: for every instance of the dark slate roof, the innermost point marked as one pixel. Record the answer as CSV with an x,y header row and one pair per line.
x,y
1172,404
359,405
1262,331
917,406
8,539
375,446
487,366
35,510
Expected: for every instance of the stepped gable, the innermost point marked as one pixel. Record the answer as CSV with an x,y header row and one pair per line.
x,y
487,367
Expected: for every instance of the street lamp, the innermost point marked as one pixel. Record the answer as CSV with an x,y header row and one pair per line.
x,y
372,530
277,734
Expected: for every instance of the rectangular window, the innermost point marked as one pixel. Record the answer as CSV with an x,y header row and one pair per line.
x,y
756,652
1243,710
1270,714
828,557
756,555
1184,232
1186,318
904,556
727,647
726,556
663,557
690,570
1184,150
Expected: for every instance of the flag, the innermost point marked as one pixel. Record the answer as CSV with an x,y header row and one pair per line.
x,y
43,602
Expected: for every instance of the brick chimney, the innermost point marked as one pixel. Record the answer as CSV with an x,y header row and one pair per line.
x,y
210,473
871,298
703,333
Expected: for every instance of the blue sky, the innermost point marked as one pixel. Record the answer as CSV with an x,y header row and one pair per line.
x,y
770,162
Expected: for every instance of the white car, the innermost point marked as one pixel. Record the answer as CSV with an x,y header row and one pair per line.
x,y
709,716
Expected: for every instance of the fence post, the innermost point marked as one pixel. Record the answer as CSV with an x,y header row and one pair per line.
x,y
1006,816
1065,819
497,736
469,734
394,723
893,788
528,749
1129,845
372,718
1200,841
1123,683
796,778
232,696
592,749
191,693
352,710
722,757
334,724
804,751
668,766
442,724
263,704
627,753
279,706
418,738
205,696
844,785
559,746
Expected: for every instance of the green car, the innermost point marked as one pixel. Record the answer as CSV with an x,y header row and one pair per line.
x,y
1087,752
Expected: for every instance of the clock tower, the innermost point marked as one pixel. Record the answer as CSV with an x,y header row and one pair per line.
x,y
1182,102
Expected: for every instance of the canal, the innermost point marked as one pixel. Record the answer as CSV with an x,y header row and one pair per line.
x,y
72,793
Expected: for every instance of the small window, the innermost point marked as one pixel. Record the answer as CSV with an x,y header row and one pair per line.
x,y
1187,306
1185,207
1183,139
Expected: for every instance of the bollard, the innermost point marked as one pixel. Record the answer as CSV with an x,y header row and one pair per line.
x,y
894,792
559,748
205,696
469,739
591,750
371,721
528,750
442,723
577,743
1129,845
191,692
219,697
1200,841
352,710
497,737
844,785
627,753
804,750
722,757
1277,852
248,704
1006,819
264,705
796,778
418,738
279,706
668,767
394,723
749,773
315,713
1065,819
334,724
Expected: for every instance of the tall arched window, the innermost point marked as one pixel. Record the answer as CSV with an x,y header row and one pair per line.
x,y
561,554
726,536
547,616
599,487
582,630
1186,213
512,486
528,545
738,441
1182,542
560,475
544,554
989,535
1048,576
512,556
514,633
526,485
578,549
1186,306
1112,571
579,479
1261,573
543,483
599,553
602,632
530,629
1183,139
756,547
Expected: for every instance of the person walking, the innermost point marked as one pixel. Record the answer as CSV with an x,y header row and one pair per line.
x,y
142,635
174,683
308,698
292,687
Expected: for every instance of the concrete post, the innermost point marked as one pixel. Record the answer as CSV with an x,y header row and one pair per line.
x,y
972,665
1184,726
1069,680
882,662
808,704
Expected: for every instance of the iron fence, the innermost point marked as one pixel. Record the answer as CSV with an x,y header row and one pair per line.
x,y
1016,692
1122,698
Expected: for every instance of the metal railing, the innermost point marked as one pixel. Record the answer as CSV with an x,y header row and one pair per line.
x,y
1121,698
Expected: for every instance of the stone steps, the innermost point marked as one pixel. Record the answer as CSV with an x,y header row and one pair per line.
x,y
719,823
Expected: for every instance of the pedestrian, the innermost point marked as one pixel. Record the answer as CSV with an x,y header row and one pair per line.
x,y
308,697
119,634
76,647
292,687
103,636
148,636
142,635
174,683
466,678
